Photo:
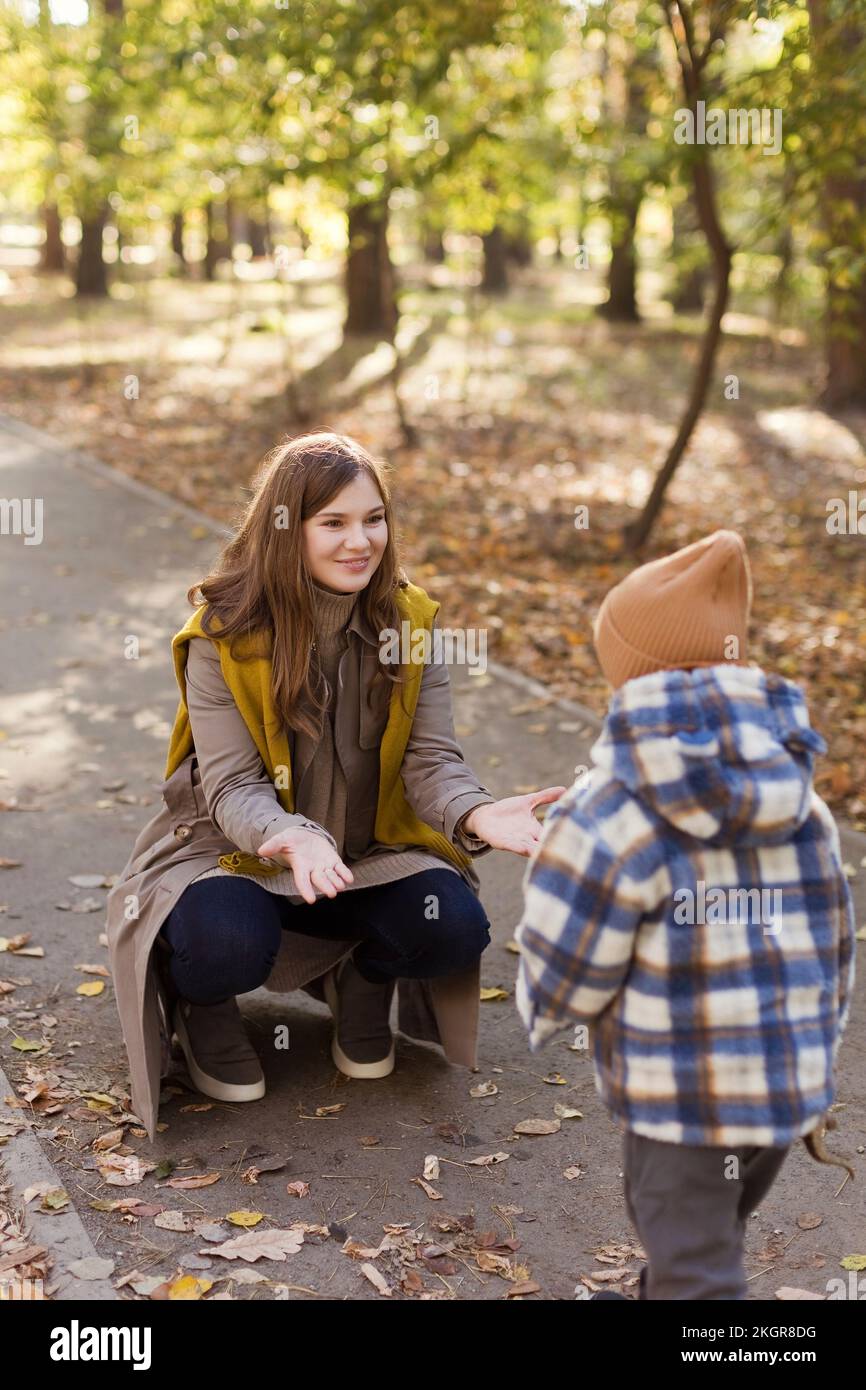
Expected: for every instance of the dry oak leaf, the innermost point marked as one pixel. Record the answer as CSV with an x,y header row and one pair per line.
x,y
298,1189
269,1244
485,1160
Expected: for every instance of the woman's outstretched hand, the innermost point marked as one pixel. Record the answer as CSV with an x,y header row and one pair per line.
x,y
311,858
510,824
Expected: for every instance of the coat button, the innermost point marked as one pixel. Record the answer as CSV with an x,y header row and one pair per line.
x,y
183,832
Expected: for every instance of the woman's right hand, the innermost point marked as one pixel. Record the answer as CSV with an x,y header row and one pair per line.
x,y
311,858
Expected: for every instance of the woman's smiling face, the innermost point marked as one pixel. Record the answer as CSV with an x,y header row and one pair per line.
x,y
345,541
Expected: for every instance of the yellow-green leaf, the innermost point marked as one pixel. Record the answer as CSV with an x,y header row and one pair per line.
x,y
244,1218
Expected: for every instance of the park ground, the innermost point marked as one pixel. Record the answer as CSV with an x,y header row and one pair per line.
x,y
525,410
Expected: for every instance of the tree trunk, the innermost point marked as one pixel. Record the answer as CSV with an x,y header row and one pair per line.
x,y
217,247
90,273
177,240
434,247
692,64
370,292
258,233
834,41
689,257
621,303
494,279
53,253
518,248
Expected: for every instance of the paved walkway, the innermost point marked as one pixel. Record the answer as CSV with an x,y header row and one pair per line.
x,y
83,733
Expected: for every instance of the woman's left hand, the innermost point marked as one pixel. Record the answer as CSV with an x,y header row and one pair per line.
x,y
510,824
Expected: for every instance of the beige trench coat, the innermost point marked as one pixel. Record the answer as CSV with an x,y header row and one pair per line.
x,y
185,837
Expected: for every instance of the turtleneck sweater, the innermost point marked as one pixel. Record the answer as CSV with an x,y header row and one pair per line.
x,y
327,801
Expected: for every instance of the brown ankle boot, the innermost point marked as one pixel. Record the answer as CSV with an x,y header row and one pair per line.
x,y
221,1059
363,1044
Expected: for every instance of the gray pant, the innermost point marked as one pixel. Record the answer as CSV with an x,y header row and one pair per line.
x,y
689,1206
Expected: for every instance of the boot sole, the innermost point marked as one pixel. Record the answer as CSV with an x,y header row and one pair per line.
x,y
363,1071
210,1085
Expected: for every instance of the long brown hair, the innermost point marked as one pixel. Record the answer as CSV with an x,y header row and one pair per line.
x,y
261,586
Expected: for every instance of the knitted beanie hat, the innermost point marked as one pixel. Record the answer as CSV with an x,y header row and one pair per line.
x,y
684,610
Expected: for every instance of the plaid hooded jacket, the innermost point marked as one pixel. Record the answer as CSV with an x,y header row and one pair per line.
x,y
688,898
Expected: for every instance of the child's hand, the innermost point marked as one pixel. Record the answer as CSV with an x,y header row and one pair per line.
x,y
510,824
312,859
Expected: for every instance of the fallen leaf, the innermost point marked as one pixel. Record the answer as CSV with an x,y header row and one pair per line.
x,y
566,1113
485,1088
520,1290
486,1159
245,1218
537,1127
853,1262
330,1109
792,1295
488,996
93,1267
574,1172
120,1170
298,1189
109,1140
187,1184
173,1221
431,1168
267,1244
431,1191
91,988
376,1279
809,1220
188,1287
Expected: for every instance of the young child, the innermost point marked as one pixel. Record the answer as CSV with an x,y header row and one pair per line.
x,y
687,899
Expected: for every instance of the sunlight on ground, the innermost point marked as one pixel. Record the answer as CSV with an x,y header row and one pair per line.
x,y
806,432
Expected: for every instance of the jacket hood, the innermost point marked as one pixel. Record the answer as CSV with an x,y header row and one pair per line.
x,y
723,753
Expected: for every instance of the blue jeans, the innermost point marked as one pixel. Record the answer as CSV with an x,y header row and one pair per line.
x,y
225,932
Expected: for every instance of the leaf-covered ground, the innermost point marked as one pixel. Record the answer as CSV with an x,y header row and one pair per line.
x,y
526,409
